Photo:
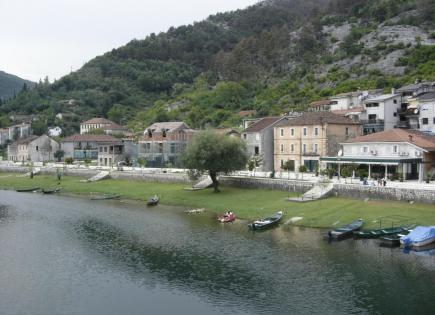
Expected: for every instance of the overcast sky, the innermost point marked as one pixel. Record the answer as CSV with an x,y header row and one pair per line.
x,y
51,37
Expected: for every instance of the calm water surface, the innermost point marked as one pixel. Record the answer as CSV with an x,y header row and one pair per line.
x,y
60,255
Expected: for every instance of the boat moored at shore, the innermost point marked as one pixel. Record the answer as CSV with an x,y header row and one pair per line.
x,y
266,222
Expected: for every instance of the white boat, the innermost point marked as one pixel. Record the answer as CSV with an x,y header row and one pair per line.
x,y
420,236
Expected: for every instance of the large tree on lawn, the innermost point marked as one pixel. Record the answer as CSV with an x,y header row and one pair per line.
x,y
215,153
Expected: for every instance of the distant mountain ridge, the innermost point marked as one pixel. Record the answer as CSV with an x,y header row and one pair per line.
x,y
273,57
11,84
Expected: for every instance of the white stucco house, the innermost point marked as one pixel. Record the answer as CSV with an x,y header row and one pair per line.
x,y
380,113
426,112
395,151
55,131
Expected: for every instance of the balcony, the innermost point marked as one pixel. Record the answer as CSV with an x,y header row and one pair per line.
x,y
403,125
85,154
372,121
310,153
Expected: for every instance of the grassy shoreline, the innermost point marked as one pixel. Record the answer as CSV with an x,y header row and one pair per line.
x,y
246,203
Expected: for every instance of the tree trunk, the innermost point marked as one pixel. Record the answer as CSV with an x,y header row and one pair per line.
x,y
213,177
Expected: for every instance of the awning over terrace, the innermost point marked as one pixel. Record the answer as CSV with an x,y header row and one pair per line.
x,y
367,160
405,163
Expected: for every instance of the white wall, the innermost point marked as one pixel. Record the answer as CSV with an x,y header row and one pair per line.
x,y
427,110
383,150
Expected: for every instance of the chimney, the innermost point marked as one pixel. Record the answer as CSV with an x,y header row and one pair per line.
x,y
410,138
393,91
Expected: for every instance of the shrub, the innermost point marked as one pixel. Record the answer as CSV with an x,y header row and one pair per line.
x,y
69,160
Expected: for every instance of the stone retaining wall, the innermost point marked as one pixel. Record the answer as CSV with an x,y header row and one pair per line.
x,y
149,177
342,190
385,193
87,173
267,183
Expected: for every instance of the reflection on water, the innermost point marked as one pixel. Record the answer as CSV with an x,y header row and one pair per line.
x,y
70,256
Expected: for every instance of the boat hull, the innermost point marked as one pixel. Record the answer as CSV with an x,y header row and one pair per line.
x,y
420,243
345,231
29,189
266,223
379,233
227,218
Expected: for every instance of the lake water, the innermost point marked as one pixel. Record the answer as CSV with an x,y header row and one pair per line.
x,y
62,255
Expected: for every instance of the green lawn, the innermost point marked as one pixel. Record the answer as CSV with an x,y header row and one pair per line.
x,y
246,203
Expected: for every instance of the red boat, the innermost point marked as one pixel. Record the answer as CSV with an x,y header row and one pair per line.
x,y
227,217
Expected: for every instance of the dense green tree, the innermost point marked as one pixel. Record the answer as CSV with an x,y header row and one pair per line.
x,y
215,153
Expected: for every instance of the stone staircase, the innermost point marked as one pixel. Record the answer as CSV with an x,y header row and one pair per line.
x,y
316,193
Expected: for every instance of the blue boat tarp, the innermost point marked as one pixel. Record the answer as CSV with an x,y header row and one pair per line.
x,y
419,234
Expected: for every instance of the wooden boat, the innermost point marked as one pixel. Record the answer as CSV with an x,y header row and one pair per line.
x,y
31,189
106,197
345,230
227,217
51,191
392,240
152,201
380,232
266,222
195,211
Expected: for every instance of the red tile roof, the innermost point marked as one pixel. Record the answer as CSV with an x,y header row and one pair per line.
x,y
317,118
418,138
320,103
98,120
90,138
26,140
344,112
262,124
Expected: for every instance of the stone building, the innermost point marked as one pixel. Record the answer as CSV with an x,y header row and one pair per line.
x,y
259,140
109,127
305,139
33,149
163,143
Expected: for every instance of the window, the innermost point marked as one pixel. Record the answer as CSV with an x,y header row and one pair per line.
x,y
395,149
316,131
365,149
282,148
292,148
101,149
244,136
282,132
425,121
305,131
315,148
372,105
347,131
173,148
395,101
105,149
434,120
395,114
304,148
257,150
282,163
37,148
292,132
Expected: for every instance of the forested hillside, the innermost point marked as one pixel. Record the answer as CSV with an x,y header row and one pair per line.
x,y
11,85
272,57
